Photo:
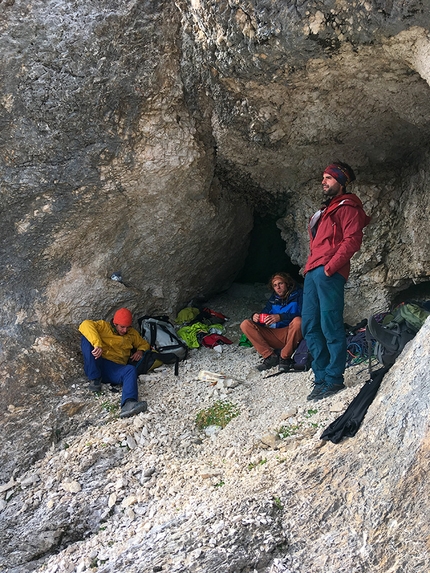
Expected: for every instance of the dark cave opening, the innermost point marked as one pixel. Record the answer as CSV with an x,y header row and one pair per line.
x,y
266,253
415,293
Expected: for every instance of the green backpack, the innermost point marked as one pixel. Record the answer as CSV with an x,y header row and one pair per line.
x,y
414,315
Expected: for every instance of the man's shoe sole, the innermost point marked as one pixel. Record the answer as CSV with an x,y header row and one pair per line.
x,y
327,394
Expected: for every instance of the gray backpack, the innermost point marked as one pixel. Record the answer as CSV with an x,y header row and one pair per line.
x,y
161,335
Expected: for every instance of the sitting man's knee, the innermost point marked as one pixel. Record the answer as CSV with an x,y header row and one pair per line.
x,y
245,325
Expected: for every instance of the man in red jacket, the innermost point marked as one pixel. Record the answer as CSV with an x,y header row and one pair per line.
x,y
335,232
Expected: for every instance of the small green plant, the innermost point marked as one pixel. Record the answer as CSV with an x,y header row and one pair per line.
x,y
278,503
253,465
110,407
220,414
311,413
287,431
219,484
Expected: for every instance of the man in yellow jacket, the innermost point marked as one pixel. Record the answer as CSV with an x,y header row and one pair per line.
x,y
107,349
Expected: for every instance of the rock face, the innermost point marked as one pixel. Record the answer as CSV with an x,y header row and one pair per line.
x,y
143,137
140,137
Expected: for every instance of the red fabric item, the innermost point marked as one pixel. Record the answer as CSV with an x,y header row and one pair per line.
x,y
212,340
338,236
215,314
123,317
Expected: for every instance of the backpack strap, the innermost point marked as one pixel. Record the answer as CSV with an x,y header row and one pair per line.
x,y
153,334
369,348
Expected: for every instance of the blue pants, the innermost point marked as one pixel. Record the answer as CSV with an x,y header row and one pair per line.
x,y
322,324
110,372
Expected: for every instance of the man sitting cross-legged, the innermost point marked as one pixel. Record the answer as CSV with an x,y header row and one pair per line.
x,y
278,326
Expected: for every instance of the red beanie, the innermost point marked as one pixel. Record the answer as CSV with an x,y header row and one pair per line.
x,y
123,317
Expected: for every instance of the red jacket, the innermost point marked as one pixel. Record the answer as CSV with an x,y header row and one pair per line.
x,y
336,234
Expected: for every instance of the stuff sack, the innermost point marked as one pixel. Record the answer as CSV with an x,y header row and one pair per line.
x,y
161,336
302,357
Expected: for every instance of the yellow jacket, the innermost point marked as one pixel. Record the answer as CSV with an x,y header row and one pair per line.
x,y
115,347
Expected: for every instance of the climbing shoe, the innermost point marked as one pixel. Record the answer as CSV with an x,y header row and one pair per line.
x,y
132,407
268,363
95,385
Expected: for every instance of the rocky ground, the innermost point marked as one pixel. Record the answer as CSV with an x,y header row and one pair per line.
x,y
155,493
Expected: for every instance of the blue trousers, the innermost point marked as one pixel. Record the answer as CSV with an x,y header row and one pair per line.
x,y
322,324
110,372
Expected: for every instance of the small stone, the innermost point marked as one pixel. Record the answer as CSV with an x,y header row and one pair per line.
x,y
72,486
231,383
212,430
148,472
270,440
131,442
289,413
30,480
10,484
72,408
112,500
337,407
128,501
138,422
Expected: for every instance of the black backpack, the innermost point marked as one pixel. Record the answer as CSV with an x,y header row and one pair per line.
x,y
391,338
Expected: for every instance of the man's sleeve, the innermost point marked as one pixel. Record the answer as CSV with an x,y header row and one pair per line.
x,y
139,343
89,329
352,221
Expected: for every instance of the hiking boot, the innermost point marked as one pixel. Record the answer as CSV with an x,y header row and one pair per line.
x,y
132,407
315,390
285,364
327,390
268,363
95,385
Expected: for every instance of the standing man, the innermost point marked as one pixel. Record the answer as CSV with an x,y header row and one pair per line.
x,y
107,349
278,326
335,233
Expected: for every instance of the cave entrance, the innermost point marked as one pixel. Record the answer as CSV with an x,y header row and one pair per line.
x,y
416,292
266,253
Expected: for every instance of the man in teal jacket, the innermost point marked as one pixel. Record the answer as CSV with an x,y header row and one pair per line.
x,y
335,233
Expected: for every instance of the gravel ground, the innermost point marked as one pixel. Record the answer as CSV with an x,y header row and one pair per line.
x,y
136,476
